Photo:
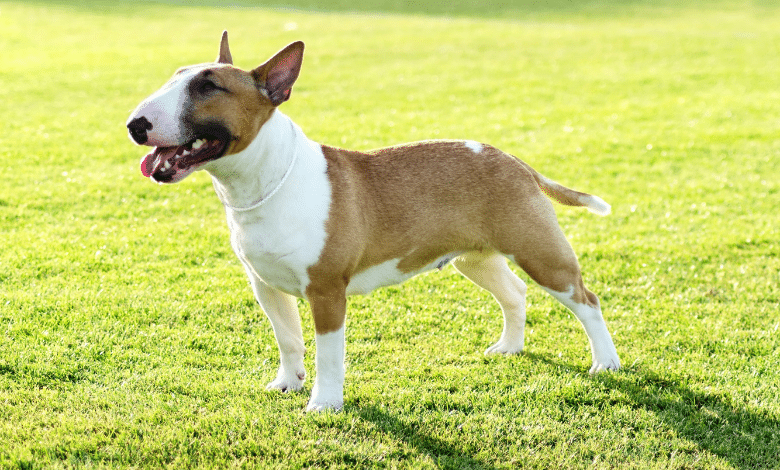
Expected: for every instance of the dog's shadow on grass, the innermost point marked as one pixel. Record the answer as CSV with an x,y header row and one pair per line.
x,y
414,434
715,421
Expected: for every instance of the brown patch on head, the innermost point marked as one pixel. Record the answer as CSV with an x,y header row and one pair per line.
x,y
225,99
236,103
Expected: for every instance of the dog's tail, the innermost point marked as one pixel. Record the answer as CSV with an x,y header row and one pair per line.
x,y
570,197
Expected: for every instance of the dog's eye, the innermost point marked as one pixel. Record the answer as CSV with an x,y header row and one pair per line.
x,y
207,86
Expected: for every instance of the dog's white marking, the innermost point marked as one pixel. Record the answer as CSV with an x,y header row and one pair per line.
x,y
388,274
165,107
602,348
475,147
328,390
598,206
278,241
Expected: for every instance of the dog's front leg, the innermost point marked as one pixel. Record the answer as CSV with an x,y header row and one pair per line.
x,y
282,310
328,305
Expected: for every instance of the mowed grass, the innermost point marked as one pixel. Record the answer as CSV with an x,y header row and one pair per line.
x,y
128,332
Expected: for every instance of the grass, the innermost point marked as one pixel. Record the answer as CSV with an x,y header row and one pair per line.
x,y
128,332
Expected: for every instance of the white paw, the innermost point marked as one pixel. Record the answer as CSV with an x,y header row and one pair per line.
x,y
287,381
327,398
505,347
320,407
612,363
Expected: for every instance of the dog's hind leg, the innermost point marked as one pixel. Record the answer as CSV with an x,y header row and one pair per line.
x,y
543,252
551,263
492,273
282,311
588,312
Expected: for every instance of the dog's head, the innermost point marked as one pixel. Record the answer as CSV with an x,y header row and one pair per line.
x,y
207,111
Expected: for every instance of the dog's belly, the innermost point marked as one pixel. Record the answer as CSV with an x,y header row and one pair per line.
x,y
387,274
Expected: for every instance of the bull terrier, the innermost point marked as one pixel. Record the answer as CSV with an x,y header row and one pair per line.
x,y
321,223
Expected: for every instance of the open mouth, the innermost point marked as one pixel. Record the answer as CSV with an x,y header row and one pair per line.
x,y
172,164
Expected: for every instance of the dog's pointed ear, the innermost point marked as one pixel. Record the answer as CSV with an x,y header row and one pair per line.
x,y
278,75
224,56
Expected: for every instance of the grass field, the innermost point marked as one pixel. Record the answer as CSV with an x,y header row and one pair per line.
x,y
128,332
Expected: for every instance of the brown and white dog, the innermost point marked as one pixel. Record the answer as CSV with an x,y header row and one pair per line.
x,y
321,223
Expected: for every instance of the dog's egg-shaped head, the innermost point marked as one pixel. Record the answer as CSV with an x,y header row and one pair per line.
x,y
207,111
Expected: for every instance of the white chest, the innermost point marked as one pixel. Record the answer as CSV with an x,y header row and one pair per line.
x,y
278,241
280,247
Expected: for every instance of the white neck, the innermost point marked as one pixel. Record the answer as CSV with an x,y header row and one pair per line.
x,y
246,180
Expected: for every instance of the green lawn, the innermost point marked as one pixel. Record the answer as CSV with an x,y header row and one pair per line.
x,y
128,332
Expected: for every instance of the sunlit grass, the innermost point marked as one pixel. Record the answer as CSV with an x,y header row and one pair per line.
x,y
128,332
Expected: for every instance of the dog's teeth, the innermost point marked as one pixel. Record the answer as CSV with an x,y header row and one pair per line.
x,y
186,152
167,165
198,143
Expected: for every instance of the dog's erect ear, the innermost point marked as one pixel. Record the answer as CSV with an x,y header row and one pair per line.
x,y
224,51
277,75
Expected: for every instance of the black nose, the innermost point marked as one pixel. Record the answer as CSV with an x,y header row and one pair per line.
x,y
138,128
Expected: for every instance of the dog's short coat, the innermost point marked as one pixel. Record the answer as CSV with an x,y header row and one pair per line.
x,y
321,223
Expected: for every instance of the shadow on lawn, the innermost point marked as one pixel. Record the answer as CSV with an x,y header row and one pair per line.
x,y
715,422
415,435
745,438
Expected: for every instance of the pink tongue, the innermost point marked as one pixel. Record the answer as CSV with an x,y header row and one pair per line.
x,y
147,163
156,158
